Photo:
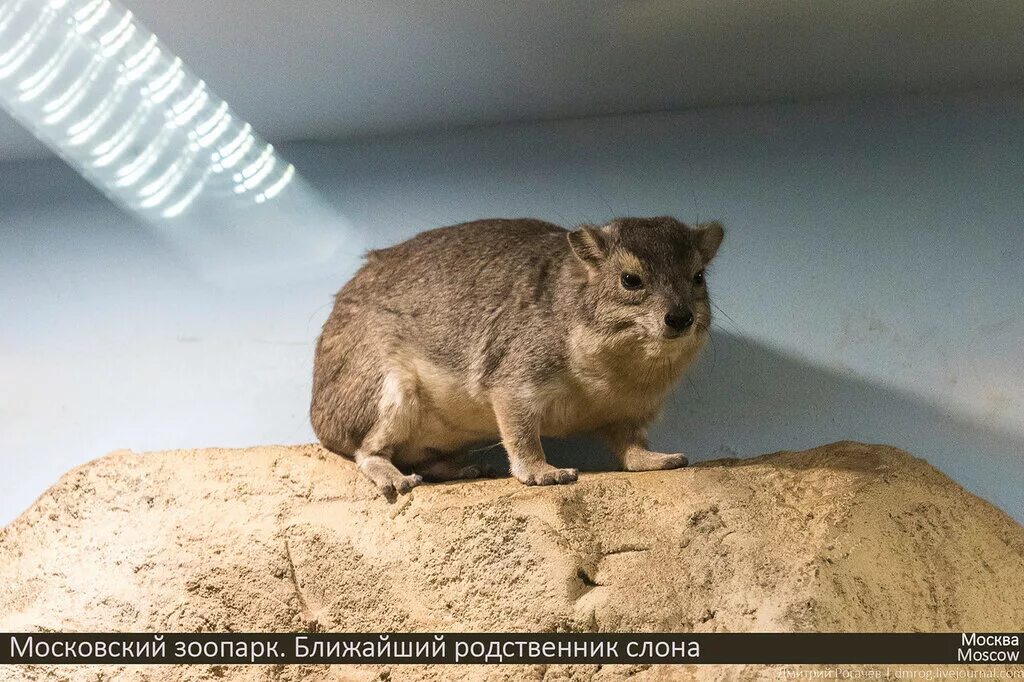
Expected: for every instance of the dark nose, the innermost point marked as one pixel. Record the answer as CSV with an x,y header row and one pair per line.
x,y
679,320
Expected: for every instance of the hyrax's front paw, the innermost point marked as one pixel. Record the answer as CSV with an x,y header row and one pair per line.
x,y
545,474
646,460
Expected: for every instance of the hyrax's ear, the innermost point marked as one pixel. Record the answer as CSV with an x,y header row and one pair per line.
x,y
709,238
589,244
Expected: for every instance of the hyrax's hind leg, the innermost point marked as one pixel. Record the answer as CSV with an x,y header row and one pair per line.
x,y
378,468
398,415
452,467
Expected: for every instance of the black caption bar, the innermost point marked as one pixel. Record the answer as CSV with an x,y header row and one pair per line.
x,y
695,648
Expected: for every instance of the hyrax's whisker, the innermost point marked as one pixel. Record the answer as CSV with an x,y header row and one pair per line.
x,y
485,448
728,317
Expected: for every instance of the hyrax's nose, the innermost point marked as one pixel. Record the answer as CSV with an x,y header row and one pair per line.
x,y
679,319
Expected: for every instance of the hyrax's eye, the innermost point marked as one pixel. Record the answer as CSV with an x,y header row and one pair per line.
x,y
698,279
631,281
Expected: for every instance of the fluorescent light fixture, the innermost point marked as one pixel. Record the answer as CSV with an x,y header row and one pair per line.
x,y
101,91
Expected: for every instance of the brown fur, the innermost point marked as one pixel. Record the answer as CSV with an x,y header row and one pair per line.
x,y
514,329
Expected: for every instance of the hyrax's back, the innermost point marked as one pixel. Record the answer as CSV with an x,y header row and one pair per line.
x,y
442,288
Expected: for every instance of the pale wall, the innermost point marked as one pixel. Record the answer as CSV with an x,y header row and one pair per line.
x,y
872,274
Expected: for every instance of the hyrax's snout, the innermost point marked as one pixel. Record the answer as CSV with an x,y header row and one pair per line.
x,y
677,321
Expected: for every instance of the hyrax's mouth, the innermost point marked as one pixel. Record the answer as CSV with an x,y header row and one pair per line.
x,y
669,335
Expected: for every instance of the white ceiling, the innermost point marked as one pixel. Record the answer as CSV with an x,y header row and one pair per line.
x,y
302,69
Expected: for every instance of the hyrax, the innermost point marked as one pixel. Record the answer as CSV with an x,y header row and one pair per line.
x,y
514,329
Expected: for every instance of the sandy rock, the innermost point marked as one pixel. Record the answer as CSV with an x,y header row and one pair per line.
x,y
843,537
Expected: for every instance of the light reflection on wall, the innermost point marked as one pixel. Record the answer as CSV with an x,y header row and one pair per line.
x,y
102,91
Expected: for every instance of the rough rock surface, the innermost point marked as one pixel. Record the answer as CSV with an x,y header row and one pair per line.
x,y
843,537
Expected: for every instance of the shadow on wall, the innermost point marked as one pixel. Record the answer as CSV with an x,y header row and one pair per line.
x,y
743,398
